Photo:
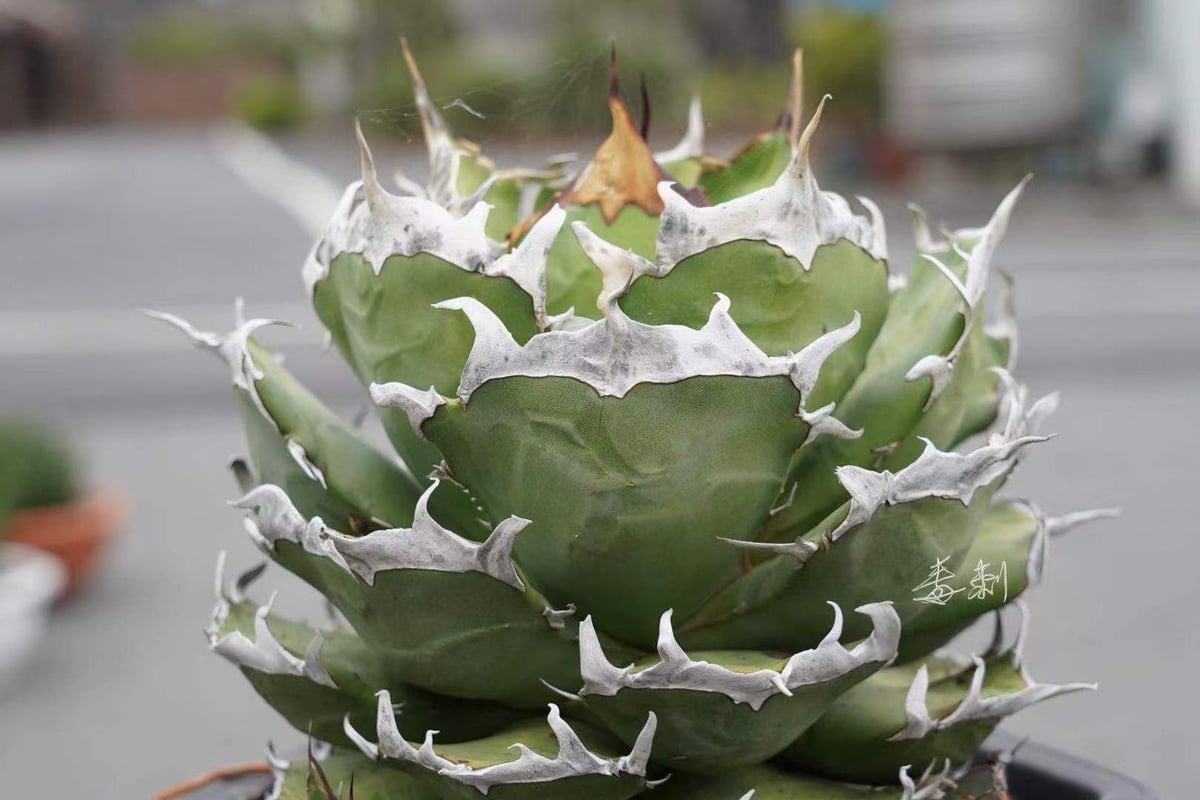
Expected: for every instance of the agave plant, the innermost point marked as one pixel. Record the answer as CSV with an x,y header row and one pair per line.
x,y
677,495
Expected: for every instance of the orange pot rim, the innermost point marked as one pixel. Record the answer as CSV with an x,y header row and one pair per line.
x,y
97,515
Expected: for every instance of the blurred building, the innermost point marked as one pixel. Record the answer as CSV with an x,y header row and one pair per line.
x,y
44,66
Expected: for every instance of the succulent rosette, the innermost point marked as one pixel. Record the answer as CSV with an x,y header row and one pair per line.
x,y
682,490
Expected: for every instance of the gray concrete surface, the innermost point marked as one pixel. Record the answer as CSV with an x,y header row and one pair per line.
x,y
124,699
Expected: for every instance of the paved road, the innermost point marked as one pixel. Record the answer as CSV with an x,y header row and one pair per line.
x,y
124,699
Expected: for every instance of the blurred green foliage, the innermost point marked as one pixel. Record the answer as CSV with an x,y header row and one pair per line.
x,y
270,104
37,468
188,42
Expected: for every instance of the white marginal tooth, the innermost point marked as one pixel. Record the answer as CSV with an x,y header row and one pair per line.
x,y
614,354
806,365
416,404
570,746
639,757
822,423
917,722
618,267
950,276
368,749
427,545
800,549
391,743
232,347
668,648
676,670
935,473
878,247
495,555
835,631
306,465
1068,522
884,642
692,143
314,669
526,264
793,214
600,677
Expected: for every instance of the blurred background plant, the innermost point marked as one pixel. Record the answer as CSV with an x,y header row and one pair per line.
x,y
37,468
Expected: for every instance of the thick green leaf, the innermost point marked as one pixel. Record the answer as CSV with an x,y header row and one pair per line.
x,y
572,280
923,318
627,495
756,167
851,741
767,783
358,674
780,603
709,732
371,781
385,327
529,747
1006,542
778,303
356,475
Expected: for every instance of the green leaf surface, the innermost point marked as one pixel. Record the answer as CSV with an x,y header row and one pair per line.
x,y
371,781
767,783
537,737
709,732
317,709
780,603
776,302
385,327
627,495
923,318
572,280
360,479
756,167
850,742
1003,548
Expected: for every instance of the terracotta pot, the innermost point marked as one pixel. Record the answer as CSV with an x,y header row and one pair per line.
x,y
77,533
246,782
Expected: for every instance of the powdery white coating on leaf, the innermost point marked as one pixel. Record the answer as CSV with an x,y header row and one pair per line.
x,y
273,517
974,706
1001,322
526,264
429,546
557,617
1035,567
1015,415
692,143
677,671
263,653
425,546
616,353
935,473
232,347
298,454
619,267
573,759
931,785
419,405
377,224
940,368
793,214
